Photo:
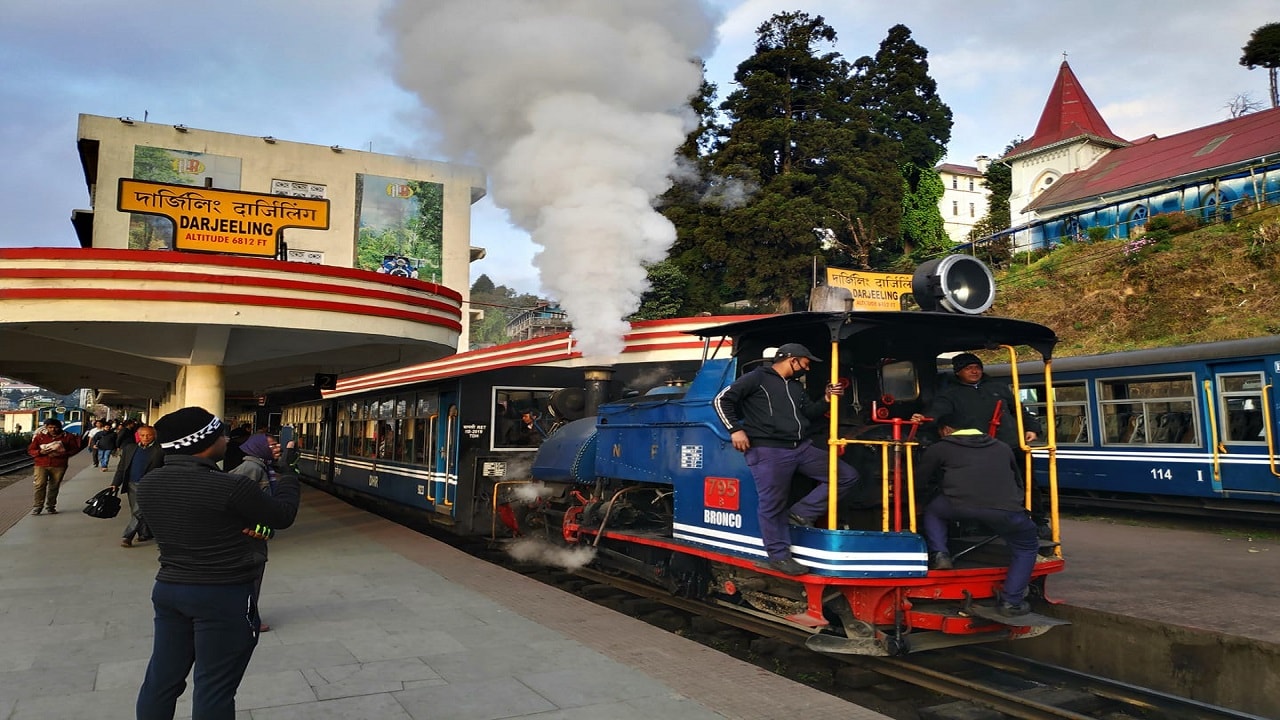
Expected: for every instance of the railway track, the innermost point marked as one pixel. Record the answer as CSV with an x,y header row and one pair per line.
x,y
954,683
12,461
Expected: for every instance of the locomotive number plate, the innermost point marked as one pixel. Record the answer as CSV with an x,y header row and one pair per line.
x,y
721,493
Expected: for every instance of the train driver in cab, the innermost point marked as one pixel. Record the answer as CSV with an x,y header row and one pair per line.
x,y
768,412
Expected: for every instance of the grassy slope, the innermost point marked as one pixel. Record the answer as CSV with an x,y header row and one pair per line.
x,y
1207,285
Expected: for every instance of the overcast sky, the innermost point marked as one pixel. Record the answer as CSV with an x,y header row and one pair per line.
x,y
322,71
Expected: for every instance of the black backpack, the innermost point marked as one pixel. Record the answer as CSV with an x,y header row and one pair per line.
x,y
106,504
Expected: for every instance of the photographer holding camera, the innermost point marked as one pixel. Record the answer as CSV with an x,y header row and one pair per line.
x,y
205,602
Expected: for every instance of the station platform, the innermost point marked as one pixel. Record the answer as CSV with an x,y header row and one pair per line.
x,y
370,620
1219,581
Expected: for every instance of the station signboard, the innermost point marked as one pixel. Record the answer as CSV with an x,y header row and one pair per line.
x,y
223,221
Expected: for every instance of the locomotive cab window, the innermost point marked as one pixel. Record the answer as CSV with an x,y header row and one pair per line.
x,y
899,381
521,417
1240,408
1148,411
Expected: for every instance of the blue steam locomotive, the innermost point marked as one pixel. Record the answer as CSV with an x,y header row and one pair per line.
x,y
636,469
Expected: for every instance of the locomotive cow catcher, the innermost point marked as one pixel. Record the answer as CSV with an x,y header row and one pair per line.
x,y
649,480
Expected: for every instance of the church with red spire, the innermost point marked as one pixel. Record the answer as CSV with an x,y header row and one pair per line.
x,y
1074,173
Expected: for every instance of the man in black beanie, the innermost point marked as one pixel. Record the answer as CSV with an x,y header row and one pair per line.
x,y
973,400
206,609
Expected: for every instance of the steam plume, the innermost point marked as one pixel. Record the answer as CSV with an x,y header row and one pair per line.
x,y
544,553
574,108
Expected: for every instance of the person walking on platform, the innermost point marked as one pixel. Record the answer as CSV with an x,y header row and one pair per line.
x,y
977,476
88,440
206,611
104,443
51,448
135,461
767,412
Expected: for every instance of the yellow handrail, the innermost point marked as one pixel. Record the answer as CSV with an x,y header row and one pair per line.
x,y
833,440
1213,432
1271,434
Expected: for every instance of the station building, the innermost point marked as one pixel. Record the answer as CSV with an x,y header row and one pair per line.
x,y
215,269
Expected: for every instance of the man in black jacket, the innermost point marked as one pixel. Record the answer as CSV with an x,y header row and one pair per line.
x,y
973,400
208,566
768,412
978,479
135,461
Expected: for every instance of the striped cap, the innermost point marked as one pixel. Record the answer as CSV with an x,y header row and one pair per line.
x,y
188,431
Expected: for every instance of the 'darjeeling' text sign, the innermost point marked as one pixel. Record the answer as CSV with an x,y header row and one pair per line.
x,y
223,221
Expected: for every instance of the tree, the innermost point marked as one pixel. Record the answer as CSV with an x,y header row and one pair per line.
x,y
1263,50
902,99
998,181
1242,104
793,136
665,296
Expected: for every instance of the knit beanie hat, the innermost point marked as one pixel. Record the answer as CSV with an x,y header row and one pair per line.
x,y
964,360
188,431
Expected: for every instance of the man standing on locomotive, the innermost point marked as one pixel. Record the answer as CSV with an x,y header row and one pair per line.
x,y
973,400
768,412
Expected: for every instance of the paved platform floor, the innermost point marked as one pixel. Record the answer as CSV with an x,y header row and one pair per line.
x,y
370,621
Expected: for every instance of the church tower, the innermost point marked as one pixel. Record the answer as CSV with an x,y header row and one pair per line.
x,y
1070,136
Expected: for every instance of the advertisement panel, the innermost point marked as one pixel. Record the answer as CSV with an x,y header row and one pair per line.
x,y
176,167
399,226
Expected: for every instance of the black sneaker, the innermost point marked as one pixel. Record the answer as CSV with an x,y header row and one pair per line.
x,y
940,561
786,566
36,511
53,511
1013,609
797,520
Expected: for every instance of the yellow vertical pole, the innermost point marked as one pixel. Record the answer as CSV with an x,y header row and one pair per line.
x,y
833,436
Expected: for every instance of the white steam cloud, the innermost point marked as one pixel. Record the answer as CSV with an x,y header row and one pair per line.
x,y
574,108
543,552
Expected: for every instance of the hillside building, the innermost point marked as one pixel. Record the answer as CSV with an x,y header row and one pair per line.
x,y
1074,173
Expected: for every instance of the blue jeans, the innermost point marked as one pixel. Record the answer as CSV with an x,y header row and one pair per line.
x,y
214,627
103,456
1014,527
772,469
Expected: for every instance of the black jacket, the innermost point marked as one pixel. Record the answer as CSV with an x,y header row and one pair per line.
x,y
973,471
155,458
773,410
973,406
197,514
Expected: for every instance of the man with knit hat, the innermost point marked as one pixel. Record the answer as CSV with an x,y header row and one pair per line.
x,y
973,400
205,604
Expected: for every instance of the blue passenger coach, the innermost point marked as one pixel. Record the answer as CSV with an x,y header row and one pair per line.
x,y
1188,428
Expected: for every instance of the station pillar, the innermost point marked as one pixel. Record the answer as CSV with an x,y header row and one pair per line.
x,y
201,386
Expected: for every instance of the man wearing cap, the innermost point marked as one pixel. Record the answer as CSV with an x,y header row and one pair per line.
x,y
205,605
767,413
971,401
51,448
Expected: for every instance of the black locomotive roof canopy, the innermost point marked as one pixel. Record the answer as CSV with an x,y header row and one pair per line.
x,y
871,336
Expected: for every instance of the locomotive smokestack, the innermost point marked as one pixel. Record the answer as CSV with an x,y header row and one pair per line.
x,y
597,382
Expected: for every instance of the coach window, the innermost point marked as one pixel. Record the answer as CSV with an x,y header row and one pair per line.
x,y
1070,408
1148,411
343,436
1240,408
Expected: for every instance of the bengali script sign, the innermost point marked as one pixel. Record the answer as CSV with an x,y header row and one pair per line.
x,y
871,290
223,221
